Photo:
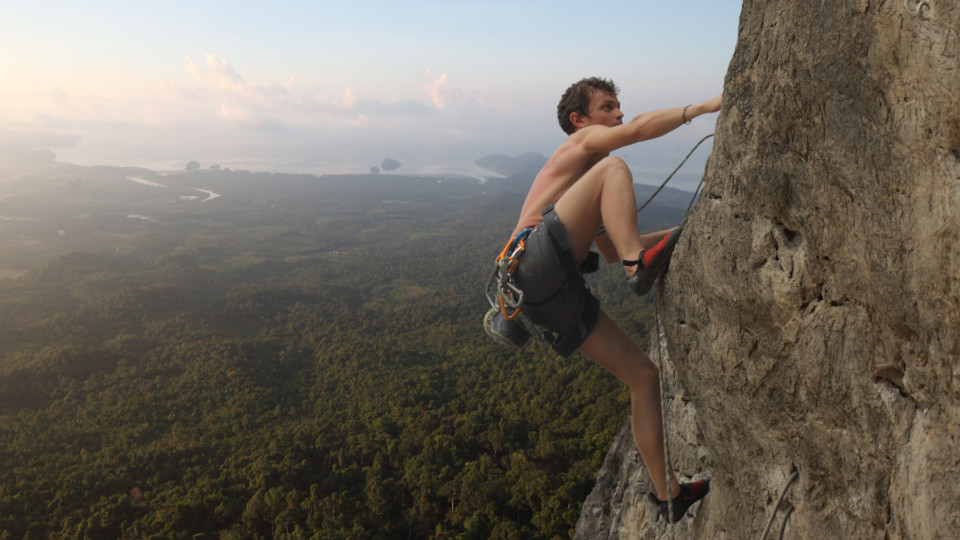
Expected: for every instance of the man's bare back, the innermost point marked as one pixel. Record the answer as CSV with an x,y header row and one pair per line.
x,y
567,164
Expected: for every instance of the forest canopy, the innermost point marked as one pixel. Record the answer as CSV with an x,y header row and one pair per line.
x,y
297,357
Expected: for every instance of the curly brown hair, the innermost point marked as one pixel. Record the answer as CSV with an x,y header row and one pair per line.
x,y
577,99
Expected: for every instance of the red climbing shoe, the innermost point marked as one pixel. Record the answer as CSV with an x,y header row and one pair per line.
x,y
651,261
689,494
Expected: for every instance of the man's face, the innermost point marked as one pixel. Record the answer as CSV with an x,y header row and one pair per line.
x,y
604,110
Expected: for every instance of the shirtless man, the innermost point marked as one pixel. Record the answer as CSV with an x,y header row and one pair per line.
x,y
584,196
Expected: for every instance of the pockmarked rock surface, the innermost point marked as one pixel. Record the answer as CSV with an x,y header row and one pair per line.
x,y
812,307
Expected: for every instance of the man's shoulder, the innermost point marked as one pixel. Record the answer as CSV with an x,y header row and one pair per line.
x,y
574,148
585,132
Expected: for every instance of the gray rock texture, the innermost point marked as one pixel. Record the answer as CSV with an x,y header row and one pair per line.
x,y
812,307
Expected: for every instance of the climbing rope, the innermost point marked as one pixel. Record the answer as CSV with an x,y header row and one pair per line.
x,y
783,526
695,193
776,507
694,149
666,442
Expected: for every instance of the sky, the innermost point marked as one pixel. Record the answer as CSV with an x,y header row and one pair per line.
x,y
337,86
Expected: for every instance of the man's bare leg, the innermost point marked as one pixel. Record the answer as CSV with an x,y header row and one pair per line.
x,y
613,349
605,195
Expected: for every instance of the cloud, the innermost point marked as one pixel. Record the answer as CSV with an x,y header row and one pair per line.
x,y
389,108
215,91
218,73
211,108
450,99
59,95
436,89
213,95
347,100
443,96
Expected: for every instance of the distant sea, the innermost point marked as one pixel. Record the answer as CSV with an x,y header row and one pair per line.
x,y
647,173
461,169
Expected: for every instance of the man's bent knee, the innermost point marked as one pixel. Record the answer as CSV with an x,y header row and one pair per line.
x,y
614,165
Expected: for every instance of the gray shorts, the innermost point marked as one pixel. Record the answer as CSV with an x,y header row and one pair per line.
x,y
555,295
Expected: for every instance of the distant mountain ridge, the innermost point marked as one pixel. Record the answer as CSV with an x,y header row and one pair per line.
x,y
524,164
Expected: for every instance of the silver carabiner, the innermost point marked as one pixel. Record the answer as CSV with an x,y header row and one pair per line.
x,y
515,300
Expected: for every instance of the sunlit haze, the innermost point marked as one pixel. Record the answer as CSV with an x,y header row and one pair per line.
x,y
329,87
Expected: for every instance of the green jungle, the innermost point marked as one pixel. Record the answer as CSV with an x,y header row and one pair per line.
x,y
230,354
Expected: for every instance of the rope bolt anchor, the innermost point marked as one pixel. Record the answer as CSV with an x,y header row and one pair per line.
x,y
915,11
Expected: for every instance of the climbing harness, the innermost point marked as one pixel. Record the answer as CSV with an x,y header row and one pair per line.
x,y
916,11
505,322
509,296
776,507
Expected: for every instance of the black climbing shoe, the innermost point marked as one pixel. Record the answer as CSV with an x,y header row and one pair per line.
x,y
651,261
689,494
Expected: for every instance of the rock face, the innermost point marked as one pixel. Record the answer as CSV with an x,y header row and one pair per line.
x,y
812,307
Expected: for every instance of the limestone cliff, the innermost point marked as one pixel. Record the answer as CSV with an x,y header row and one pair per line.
x,y
812,308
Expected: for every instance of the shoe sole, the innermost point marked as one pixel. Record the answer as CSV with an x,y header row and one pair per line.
x,y
680,506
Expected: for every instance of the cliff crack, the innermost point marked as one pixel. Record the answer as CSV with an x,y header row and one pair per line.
x,y
880,379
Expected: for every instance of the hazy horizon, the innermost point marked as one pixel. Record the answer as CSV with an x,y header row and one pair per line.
x,y
326,89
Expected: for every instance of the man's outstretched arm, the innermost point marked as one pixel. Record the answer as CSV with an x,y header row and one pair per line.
x,y
646,126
